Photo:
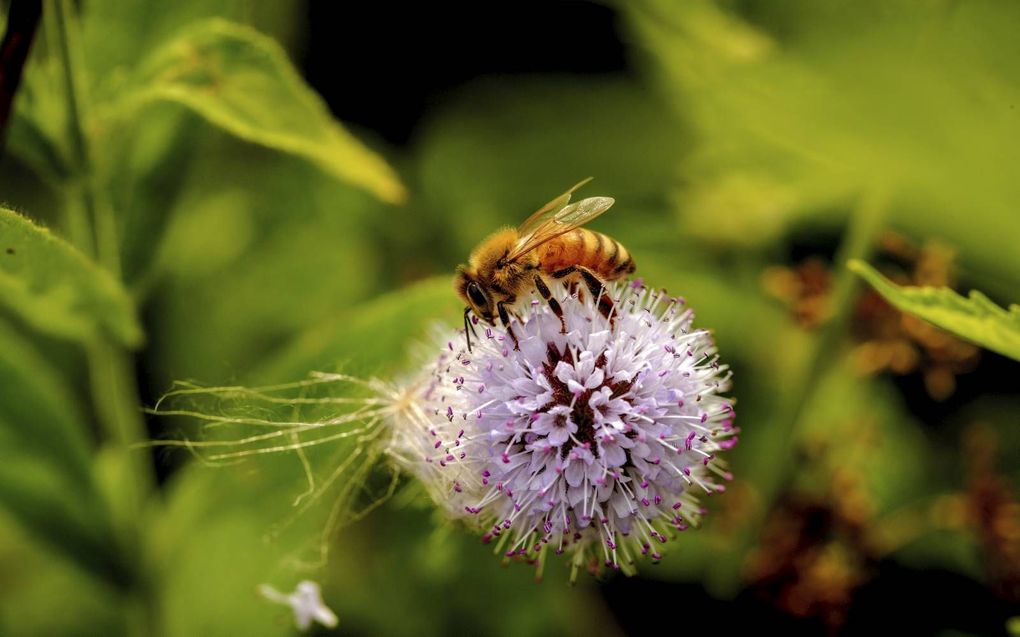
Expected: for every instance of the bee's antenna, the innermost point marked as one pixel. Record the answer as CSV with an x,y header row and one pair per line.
x,y
467,327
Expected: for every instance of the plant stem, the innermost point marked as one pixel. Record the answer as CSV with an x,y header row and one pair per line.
x,y
116,400
858,243
96,208
772,470
113,388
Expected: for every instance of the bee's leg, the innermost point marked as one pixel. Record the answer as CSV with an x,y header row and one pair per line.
x,y
505,317
595,286
554,305
469,329
599,291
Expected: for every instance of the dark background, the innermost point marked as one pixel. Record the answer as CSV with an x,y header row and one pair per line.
x,y
421,52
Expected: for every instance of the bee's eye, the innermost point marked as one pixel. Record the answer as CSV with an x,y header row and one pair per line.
x,y
475,294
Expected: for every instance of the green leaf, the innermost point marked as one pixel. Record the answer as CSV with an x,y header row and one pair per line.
x,y
242,82
232,528
42,594
402,551
976,318
56,289
45,479
372,338
37,401
298,249
36,130
35,146
117,35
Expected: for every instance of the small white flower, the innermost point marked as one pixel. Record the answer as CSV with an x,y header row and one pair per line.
x,y
593,441
305,601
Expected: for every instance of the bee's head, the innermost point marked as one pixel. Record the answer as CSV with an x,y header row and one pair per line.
x,y
474,294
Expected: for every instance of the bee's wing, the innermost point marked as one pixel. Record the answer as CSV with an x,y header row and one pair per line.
x,y
543,214
556,222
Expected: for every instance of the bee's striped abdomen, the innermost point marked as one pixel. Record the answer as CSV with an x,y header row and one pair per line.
x,y
601,254
618,261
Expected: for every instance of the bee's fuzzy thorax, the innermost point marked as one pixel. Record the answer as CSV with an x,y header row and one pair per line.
x,y
489,252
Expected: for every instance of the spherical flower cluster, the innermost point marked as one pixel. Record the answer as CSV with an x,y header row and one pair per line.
x,y
594,440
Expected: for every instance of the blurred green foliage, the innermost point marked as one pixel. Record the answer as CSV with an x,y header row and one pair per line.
x,y
805,105
210,220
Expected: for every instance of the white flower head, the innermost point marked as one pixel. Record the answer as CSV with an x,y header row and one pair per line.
x,y
305,601
593,441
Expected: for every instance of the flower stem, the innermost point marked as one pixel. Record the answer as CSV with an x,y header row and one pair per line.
x,y
858,243
774,466
96,209
113,387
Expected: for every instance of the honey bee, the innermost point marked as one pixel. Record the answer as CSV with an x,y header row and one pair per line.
x,y
550,243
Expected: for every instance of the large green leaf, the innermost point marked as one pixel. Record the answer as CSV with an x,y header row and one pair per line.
x,y
56,289
241,81
976,318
